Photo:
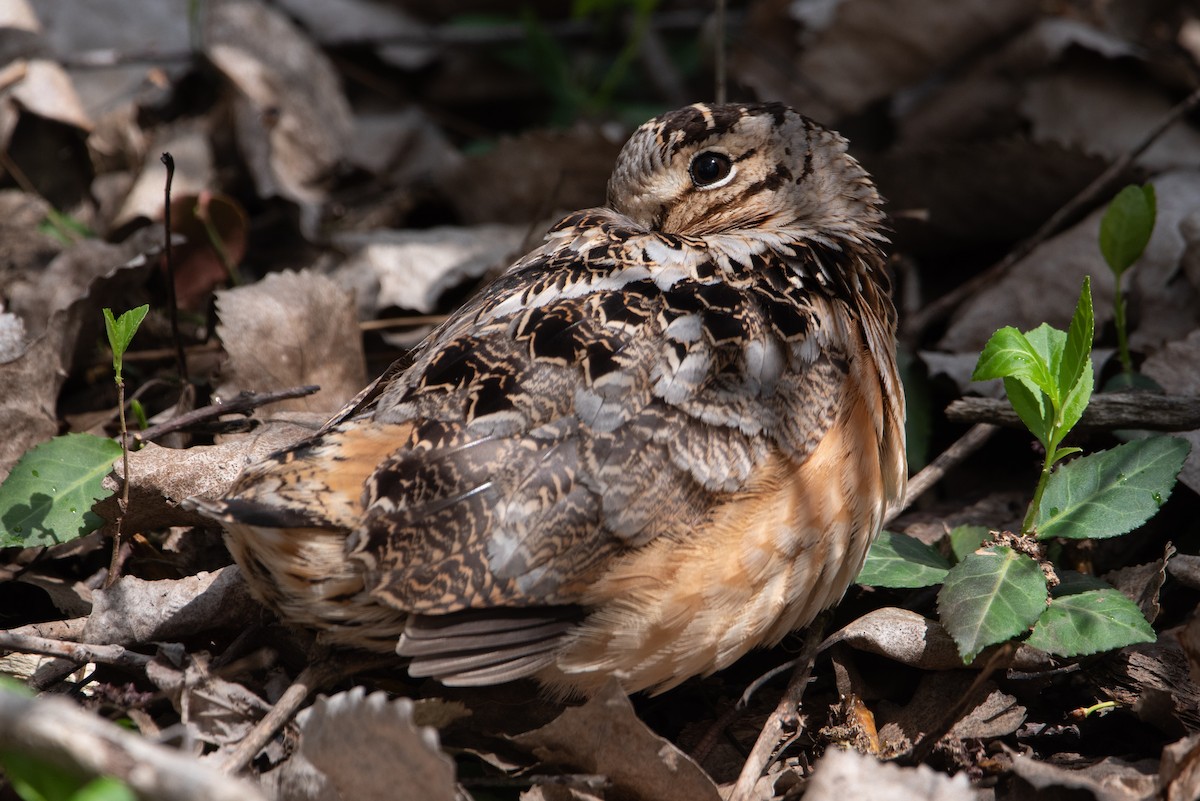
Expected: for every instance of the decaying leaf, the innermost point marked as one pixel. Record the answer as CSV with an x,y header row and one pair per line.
x,y
605,736
413,269
354,745
213,709
163,477
289,330
135,611
995,713
917,641
1107,779
835,72
292,120
842,775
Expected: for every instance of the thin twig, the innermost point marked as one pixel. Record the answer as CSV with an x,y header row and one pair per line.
x,y
784,723
242,404
169,257
80,653
932,312
323,671
950,458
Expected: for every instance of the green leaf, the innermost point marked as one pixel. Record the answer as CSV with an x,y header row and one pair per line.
x,y
897,560
1078,347
1075,402
1087,616
1032,406
121,330
990,597
1049,343
34,779
1109,493
1126,227
1063,453
1010,354
966,540
105,788
48,496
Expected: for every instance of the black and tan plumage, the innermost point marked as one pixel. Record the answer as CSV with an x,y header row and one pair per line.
x,y
663,438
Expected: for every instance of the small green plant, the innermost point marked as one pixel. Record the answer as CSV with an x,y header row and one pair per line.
x,y
120,334
997,588
1125,232
48,497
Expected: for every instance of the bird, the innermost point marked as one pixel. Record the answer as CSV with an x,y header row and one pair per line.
x,y
664,437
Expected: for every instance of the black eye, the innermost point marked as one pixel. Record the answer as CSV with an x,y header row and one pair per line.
x,y
708,168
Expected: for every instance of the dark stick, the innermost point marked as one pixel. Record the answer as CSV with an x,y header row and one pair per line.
x,y
242,404
180,356
785,722
946,461
1105,411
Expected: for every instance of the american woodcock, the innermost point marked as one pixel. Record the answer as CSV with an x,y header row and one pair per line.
x,y
663,438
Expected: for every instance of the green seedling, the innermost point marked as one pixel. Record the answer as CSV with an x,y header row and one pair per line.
x,y
995,587
48,497
1125,232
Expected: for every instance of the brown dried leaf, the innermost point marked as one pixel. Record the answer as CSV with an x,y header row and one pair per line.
x,y
29,385
46,90
561,791
1143,583
162,477
213,709
292,121
1108,779
1106,109
189,146
917,641
345,22
135,611
288,330
842,775
413,269
1179,771
364,746
404,145
605,736
996,715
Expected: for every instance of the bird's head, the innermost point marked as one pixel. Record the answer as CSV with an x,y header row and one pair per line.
x,y
712,169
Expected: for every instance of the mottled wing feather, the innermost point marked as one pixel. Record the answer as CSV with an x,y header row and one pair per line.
x,y
608,391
